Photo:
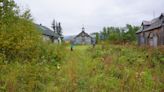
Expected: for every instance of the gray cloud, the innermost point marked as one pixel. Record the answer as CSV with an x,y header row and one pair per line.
x,y
93,14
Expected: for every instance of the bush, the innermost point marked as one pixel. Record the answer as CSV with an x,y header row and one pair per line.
x,y
27,63
19,40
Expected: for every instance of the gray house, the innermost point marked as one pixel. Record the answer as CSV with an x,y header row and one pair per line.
x,y
151,32
48,34
83,38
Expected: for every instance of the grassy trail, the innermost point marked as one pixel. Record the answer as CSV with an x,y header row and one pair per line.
x,y
74,72
116,69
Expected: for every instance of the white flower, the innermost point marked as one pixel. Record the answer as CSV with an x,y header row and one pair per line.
x,y
1,4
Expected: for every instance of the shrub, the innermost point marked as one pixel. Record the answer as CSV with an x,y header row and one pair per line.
x,y
19,40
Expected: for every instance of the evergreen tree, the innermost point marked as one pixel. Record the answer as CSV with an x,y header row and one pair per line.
x,y
54,26
59,29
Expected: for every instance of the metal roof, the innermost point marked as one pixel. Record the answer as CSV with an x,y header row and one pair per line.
x,y
156,23
153,24
146,22
47,31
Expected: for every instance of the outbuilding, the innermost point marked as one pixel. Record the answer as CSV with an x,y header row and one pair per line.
x,y
151,32
48,34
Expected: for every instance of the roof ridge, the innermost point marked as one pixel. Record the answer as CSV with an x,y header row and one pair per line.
x,y
84,33
47,31
152,24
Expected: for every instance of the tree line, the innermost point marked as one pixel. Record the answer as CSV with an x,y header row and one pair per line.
x,y
118,34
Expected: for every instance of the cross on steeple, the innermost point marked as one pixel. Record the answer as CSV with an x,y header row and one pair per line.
x,y
83,29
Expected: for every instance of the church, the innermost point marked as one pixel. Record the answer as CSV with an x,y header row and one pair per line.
x,y
83,38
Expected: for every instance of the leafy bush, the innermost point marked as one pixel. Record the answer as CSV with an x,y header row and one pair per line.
x,y
19,39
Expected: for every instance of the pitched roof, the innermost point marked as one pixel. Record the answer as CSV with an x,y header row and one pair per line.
x,y
153,24
47,31
83,33
144,24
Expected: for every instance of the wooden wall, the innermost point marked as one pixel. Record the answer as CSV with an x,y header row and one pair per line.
x,y
155,37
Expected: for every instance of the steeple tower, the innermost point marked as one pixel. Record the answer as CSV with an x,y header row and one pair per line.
x,y
83,29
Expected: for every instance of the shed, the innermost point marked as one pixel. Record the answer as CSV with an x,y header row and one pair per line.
x,y
151,32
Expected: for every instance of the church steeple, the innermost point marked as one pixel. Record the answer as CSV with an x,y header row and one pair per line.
x,y
83,29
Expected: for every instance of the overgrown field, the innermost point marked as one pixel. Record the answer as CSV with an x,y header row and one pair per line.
x,y
29,64
107,68
111,68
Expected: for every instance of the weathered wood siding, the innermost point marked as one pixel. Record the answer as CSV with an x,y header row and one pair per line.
x,y
83,40
153,37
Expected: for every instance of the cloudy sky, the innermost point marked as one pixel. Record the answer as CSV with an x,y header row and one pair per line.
x,y
92,14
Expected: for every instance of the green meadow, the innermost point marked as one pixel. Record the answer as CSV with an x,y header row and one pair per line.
x,y
109,68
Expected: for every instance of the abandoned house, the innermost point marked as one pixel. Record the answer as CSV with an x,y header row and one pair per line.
x,y
151,32
48,34
83,38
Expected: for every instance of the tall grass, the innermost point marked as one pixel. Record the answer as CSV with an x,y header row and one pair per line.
x,y
112,68
107,68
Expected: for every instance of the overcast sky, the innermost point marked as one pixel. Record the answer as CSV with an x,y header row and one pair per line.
x,y
92,14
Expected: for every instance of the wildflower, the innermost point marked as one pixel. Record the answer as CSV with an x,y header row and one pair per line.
x,y
58,66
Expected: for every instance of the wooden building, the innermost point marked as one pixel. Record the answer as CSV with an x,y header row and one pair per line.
x,y
48,34
83,38
151,32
